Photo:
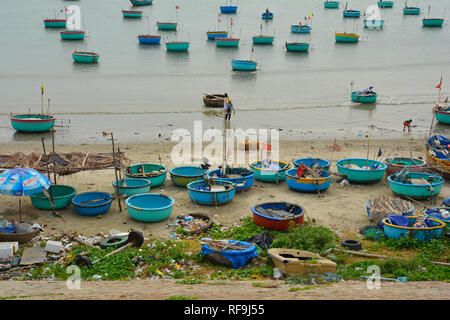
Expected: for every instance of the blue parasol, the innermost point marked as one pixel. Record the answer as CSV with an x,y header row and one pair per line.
x,y
22,181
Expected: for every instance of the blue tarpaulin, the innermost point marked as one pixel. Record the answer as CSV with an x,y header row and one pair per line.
x,y
238,258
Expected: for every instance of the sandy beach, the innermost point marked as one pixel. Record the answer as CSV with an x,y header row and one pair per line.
x,y
341,208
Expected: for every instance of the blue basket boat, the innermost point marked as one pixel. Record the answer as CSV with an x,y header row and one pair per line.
x,y
231,258
411,10
92,203
85,57
72,35
304,184
149,39
243,65
263,39
55,23
149,207
228,9
221,192
352,13
385,4
242,183
331,4
417,185
274,173
32,122
131,14
141,2
373,24
182,176
212,35
297,46
167,26
432,22
364,97
422,234
296,28
156,173
319,164
132,186
267,16
227,42
369,171
177,46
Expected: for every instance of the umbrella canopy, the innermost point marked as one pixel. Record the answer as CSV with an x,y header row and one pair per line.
x,y
22,182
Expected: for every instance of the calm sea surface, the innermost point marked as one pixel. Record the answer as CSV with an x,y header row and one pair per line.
x,y
139,91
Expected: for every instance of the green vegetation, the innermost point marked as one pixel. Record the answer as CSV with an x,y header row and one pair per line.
x,y
181,298
302,288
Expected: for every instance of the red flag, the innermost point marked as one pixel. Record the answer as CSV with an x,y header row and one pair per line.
x,y
267,147
439,85
300,170
177,7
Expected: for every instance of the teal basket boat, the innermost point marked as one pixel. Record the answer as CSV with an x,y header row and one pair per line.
x,y
131,186
134,14
422,234
362,171
72,35
177,46
417,185
385,4
55,23
297,46
432,22
221,192
32,122
346,37
156,173
167,26
243,65
85,57
274,173
61,195
182,176
331,4
362,97
227,42
411,10
263,39
149,207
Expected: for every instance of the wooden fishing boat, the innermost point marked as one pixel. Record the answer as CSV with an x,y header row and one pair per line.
x,y
300,262
167,26
331,4
267,16
362,171
241,177
432,22
55,23
72,35
385,4
214,100
156,173
397,164
308,184
278,215
297,46
218,193
346,37
228,9
263,39
418,233
149,39
243,65
149,207
141,2
437,155
177,46
182,176
212,35
85,57
271,172
131,13
411,10
296,28
31,122
227,42
442,114
373,24
316,163
352,13
417,185
364,97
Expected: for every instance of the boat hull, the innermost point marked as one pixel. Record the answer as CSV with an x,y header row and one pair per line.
x,y
212,35
243,183
297,47
347,38
443,117
228,9
442,166
32,122
177,46
149,207
182,176
331,4
352,13
307,184
270,175
422,234
72,35
300,29
61,196
385,4
85,57
167,26
357,96
214,101
200,195
147,39
132,14
266,16
130,187
319,164
362,176
55,23
144,170
263,39
275,223
411,10
99,204
141,2
397,164
417,191
243,65
433,22
227,42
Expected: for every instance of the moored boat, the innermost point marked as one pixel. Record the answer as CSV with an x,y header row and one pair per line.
x,y
263,39
267,16
437,154
212,35
182,176
141,2
401,227
411,10
85,57
214,100
385,4
374,24
346,37
72,35
316,163
228,9
32,122
243,65
442,113
55,23
331,4
156,173
149,39
352,13
362,171
131,14
297,28
432,22
217,193
150,207
416,185
167,26
227,42
365,96
278,215
297,46
177,46
308,183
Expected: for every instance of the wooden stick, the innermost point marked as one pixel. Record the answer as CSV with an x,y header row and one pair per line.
x,y
115,172
48,174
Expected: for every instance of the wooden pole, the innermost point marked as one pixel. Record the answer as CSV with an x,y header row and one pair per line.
x,y
53,149
48,174
115,172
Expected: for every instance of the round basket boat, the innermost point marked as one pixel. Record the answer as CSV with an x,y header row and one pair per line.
x,y
263,215
304,184
182,176
220,193
61,195
214,100
417,185
241,177
397,164
132,186
319,164
156,173
275,173
231,258
32,122
21,238
434,213
373,174
92,203
149,207
422,234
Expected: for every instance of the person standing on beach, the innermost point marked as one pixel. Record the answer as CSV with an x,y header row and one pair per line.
x,y
407,124
228,109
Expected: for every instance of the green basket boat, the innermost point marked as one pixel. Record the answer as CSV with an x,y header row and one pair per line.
x,y
72,35
369,171
55,23
177,46
156,173
297,46
417,185
85,57
227,42
275,173
385,4
263,39
364,97
432,22
331,4
411,10
31,122
182,176
132,186
62,197
167,26
132,14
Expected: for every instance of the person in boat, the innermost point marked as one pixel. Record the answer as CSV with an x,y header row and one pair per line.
x,y
407,124
267,12
229,108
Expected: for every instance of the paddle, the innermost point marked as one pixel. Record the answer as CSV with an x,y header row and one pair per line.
x,y
94,200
